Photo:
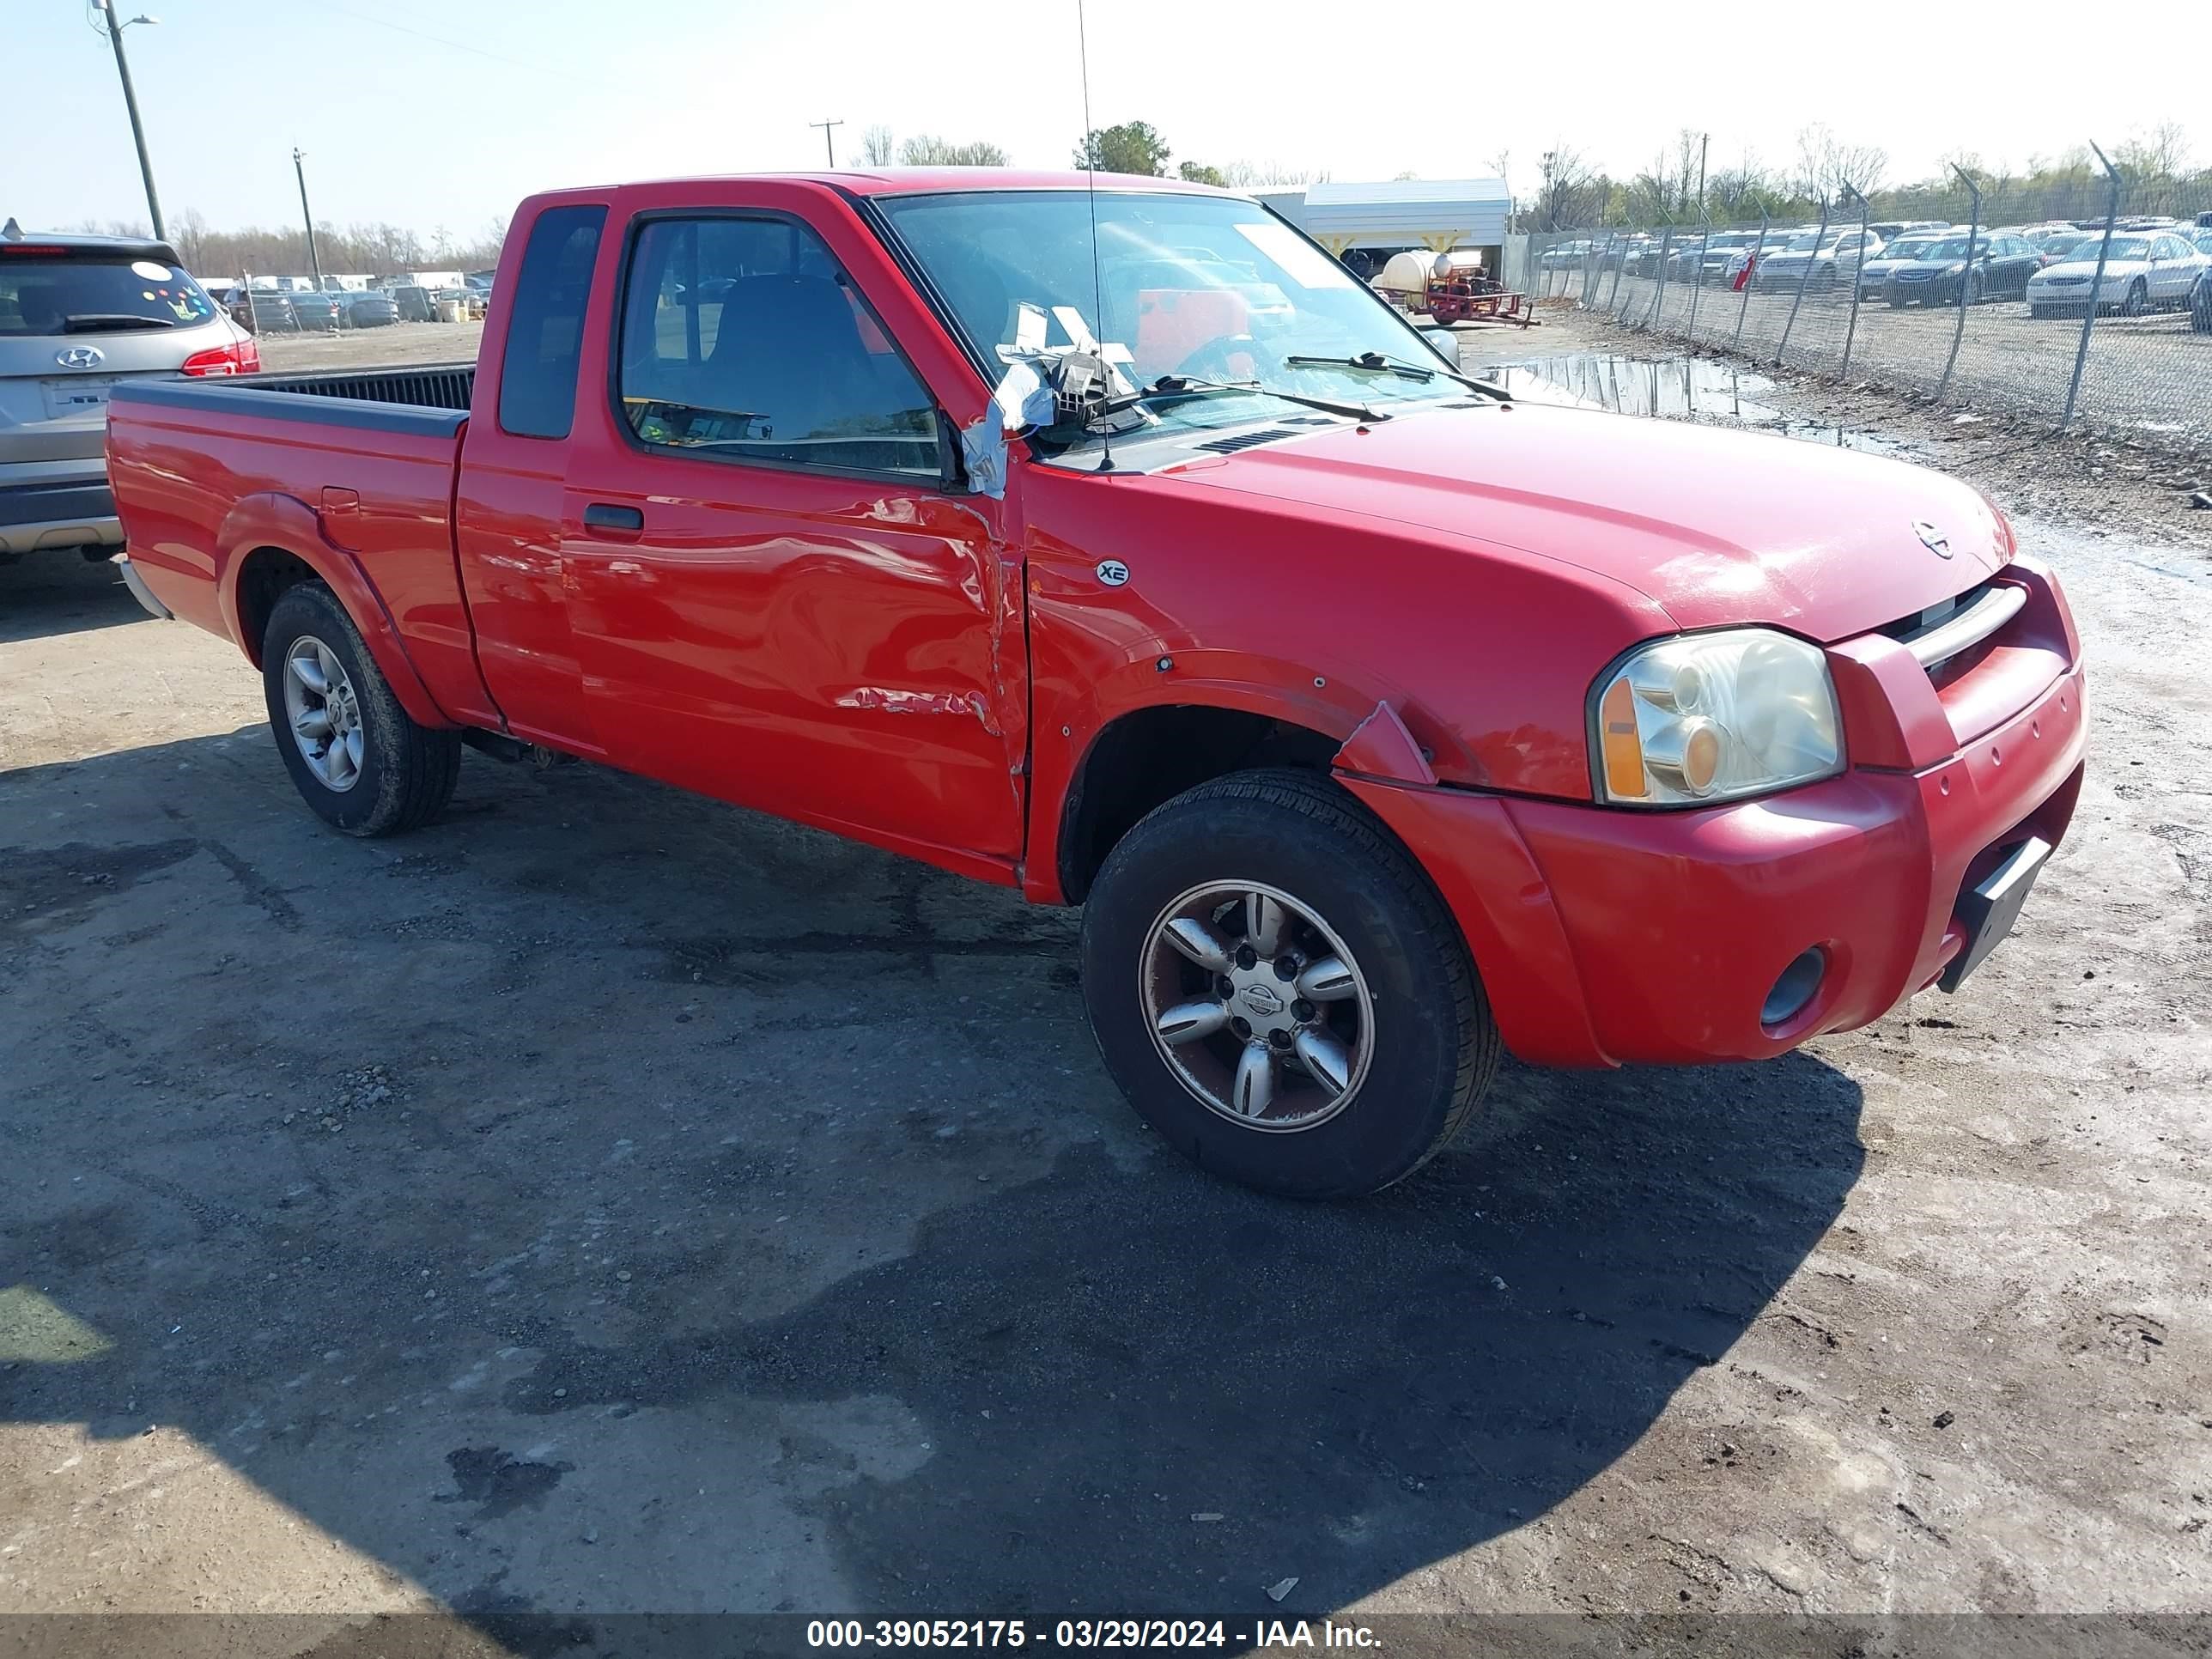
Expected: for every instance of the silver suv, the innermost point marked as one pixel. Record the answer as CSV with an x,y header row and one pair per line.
x,y
78,313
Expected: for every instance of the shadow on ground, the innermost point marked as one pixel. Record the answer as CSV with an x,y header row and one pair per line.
x,y
61,592
661,1193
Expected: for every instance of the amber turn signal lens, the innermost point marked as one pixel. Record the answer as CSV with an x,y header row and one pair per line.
x,y
1623,750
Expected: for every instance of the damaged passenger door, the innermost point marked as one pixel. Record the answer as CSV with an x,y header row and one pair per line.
x,y
781,595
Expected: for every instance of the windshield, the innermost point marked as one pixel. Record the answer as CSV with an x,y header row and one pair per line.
x,y
1206,288
1913,247
1804,242
40,293
1951,248
2123,247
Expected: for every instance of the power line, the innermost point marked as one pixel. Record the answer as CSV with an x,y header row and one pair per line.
x,y
445,41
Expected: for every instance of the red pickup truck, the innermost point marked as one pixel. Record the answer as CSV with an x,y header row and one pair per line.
x,y
1378,720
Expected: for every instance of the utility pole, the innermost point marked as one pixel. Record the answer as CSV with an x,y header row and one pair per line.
x,y
314,264
131,103
829,140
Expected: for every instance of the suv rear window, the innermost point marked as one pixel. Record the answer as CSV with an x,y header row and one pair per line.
x,y
73,293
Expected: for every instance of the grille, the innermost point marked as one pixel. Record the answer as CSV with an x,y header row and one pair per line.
x,y
1950,637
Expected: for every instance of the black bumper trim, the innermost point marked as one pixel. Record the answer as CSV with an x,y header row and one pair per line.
x,y
56,503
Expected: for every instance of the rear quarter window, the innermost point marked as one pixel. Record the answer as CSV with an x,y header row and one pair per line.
x,y
47,295
545,325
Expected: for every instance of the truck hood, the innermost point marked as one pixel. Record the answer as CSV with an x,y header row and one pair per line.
x,y
1715,526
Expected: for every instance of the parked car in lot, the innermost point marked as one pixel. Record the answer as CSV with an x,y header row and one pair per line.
x,y
2143,271
262,310
1832,258
80,316
371,309
319,311
1560,731
1706,258
1937,270
1874,274
1890,230
413,303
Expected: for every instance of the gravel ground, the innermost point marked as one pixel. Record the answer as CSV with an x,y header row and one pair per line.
x,y
360,347
607,1202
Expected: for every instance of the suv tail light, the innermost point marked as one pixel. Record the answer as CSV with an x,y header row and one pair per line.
x,y
238,357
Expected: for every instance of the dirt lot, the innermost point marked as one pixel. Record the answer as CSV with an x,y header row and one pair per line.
x,y
354,348
606,1201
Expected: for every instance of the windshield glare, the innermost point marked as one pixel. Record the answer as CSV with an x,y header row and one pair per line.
x,y
2123,247
1202,287
39,294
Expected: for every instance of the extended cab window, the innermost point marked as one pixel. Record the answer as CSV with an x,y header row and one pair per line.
x,y
545,330
741,339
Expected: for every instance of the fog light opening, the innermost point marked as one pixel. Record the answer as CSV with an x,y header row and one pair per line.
x,y
1795,990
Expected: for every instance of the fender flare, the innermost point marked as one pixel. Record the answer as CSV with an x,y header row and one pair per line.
x,y
1362,718
288,525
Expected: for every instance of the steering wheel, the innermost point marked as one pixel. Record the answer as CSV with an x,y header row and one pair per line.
x,y
1210,361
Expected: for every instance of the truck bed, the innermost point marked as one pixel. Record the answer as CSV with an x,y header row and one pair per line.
x,y
429,386
351,472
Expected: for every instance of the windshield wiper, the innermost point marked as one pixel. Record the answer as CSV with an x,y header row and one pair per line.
x,y
84,322
1182,386
1373,363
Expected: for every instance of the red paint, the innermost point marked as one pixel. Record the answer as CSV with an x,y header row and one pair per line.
x,y
927,670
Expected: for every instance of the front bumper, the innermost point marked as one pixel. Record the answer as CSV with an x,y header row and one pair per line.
x,y
74,512
1607,936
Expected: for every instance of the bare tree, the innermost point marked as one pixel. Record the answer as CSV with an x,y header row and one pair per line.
x,y
927,151
877,146
1252,175
1568,190
2155,157
1826,164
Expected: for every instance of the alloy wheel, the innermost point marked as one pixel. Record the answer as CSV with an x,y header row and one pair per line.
x,y
323,713
1256,1007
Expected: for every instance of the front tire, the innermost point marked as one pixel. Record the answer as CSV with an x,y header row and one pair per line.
x,y
353,754
1279,991
2138,300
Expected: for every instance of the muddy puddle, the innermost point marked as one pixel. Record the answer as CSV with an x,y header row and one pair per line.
x,y
1671,388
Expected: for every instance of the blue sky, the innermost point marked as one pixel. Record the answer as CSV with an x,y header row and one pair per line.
x,y
515,96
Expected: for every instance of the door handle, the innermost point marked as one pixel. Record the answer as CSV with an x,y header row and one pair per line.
x,y
606,519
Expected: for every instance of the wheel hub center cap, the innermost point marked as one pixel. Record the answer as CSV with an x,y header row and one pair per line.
x,y
1263,1000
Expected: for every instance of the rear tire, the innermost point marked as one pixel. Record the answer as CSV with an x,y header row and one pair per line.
x,y
2138,300
1406,1045
353,754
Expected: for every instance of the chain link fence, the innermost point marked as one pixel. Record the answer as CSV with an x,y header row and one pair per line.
x,y
2103,318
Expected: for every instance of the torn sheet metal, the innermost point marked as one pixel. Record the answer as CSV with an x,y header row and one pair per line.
x,y
1044,384
983,451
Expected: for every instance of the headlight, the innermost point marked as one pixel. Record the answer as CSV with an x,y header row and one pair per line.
x,y
1953,270
1708,717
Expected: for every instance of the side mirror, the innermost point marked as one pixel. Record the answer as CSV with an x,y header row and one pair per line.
x,y
1443,340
